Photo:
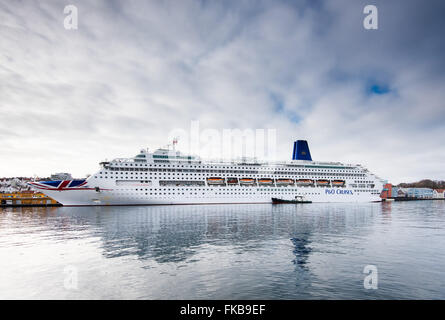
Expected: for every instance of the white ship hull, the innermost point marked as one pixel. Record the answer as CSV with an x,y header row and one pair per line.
x,y
108,197
166,177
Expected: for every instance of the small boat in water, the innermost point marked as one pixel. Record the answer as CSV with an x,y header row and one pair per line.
x,y
298,199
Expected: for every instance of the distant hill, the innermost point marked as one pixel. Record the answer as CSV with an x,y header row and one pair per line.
x,y
426,183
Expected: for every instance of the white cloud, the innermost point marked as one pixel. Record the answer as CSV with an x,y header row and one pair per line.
x,y
135,70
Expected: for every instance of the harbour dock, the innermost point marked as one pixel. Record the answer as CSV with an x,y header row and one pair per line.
x,y
410,199
26,199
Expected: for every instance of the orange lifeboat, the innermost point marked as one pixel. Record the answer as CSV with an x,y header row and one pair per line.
x,y
232,180
247,181
215,181
285,181
305,182
265,181
323,182
338,183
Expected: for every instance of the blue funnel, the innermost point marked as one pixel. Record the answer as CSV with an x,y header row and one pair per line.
x,y
301,151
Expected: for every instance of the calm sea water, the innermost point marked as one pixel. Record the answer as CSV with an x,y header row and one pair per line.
x,y
306,251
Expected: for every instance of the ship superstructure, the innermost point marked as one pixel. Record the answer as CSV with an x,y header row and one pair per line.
x,y
167,176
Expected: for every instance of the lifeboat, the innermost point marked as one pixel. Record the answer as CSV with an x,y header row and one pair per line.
x,y
265,181
247,181
338,183
215,181
285,181
322,182
232,180
305,182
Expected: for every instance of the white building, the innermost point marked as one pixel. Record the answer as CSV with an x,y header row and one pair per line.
x,y
439,193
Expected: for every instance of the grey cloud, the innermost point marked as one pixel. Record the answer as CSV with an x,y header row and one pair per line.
x,y
135,70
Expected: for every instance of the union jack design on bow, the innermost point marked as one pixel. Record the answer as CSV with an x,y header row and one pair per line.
x,y
61,185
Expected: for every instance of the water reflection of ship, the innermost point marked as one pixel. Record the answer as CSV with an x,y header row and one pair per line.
x,y
301,249
171,234
175,233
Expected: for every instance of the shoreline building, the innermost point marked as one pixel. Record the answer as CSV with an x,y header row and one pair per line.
x,y
419,193
391,191
439,193
387,191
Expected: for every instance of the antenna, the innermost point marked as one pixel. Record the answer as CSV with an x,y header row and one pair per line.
x,y
175,142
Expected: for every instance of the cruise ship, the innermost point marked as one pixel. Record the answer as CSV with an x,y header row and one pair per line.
x,y
167,176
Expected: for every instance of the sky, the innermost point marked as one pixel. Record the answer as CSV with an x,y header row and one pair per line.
x,y
133,72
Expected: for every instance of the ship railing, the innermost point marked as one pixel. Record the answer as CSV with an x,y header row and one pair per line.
x,y
123,160
235,161
247,162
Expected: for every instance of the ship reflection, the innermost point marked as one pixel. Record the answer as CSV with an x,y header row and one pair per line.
x,y
177,233
174,234
301,250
